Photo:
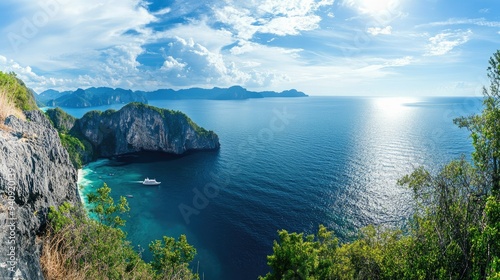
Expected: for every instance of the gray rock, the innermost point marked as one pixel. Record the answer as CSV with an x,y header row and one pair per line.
x,y
35,173
138,127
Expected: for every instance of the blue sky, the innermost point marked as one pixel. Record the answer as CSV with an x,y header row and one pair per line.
x,y
321,47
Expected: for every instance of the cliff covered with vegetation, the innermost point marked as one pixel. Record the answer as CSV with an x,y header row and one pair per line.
x,y
134,128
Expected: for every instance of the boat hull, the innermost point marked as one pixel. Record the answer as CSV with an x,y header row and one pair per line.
x,y
151,184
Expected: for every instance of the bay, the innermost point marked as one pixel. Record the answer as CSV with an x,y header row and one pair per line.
x,y
284,163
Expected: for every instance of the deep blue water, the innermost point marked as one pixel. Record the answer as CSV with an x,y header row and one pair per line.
x,y
284,164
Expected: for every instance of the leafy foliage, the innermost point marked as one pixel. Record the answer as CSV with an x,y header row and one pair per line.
x,y
76,149
61,120
79,149
76,247
299,257
485,129
171,257
108,213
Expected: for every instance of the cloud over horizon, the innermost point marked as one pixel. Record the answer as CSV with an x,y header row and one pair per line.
x,y
317,46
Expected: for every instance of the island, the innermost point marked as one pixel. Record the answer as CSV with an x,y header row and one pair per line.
x,y
136,127
106,96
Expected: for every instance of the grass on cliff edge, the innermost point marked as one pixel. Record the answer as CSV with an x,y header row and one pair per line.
x,y
17,91
8,108
15,97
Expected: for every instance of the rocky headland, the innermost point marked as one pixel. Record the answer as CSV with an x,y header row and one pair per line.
x,y
135,128
138,127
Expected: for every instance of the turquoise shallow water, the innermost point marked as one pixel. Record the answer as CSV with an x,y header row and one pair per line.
x,y
283,164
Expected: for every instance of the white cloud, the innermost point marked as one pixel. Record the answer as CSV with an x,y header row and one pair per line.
x,y
199,31
400,62
379,30
189,61
240,20
463,21
382,11
162,12
220,43
377,64
243,47
171,63
271,16
289,8
112,35
282,26
46,36
444,42
38,83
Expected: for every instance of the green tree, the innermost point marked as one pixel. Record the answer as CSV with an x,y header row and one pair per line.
x,y
448,205
105,208
171,258
298,257
486,242
485,128
485,133
76,247
80,150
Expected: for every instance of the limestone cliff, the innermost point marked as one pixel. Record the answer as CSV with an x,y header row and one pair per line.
x,y
139,127
35,173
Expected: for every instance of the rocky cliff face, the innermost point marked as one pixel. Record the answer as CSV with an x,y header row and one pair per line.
x,y
35,173
138,127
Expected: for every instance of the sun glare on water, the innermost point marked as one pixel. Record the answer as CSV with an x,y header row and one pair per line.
x,y
393,106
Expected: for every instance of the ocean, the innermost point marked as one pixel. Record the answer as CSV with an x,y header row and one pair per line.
x,y
284,163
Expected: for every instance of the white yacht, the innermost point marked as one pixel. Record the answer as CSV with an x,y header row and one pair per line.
x,y
150,182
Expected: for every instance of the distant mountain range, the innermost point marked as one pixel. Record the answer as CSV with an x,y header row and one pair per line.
x,y
105,96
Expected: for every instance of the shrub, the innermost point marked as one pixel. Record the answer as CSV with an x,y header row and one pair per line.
x,y
77,247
